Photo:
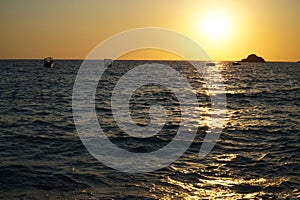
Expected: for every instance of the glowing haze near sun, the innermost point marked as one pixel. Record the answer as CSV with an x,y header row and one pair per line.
x,y
215,25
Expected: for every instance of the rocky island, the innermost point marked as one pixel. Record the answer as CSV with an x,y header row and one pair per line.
x,y
253,58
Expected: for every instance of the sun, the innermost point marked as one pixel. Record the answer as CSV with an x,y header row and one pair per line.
x,y
215,25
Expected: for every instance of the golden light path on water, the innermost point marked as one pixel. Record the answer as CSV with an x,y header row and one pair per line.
x,y
215,180
218,188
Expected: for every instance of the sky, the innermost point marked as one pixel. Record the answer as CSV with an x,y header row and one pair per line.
x,y
225,29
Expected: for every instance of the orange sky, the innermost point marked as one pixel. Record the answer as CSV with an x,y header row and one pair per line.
x,y
70,29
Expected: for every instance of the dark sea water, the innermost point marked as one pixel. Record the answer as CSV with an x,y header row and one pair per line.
x,y
256,157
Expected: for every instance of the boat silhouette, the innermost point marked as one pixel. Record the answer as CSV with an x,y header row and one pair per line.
x,y
48,62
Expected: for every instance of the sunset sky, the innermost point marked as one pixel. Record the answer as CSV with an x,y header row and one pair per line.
x,y
226,29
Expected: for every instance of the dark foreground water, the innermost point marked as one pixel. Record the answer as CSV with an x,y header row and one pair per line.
x,y
257,155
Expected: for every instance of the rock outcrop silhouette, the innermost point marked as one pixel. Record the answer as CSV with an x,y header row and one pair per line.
x,y
253,58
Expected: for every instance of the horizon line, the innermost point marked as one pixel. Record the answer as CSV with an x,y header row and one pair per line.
x,y
82,59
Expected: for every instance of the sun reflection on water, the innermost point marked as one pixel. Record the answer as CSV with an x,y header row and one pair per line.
x,y
213,187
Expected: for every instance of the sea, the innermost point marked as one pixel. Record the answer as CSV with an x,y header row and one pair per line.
x,y
257,155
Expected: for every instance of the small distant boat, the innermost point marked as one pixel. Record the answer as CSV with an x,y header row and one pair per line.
x,y
236,63
48,62
210,64
108,62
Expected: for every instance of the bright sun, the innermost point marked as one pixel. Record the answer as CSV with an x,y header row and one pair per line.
x,y
215,25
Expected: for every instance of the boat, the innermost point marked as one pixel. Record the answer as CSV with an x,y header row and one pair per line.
x,y
108,62
210,64
236,63
48,62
